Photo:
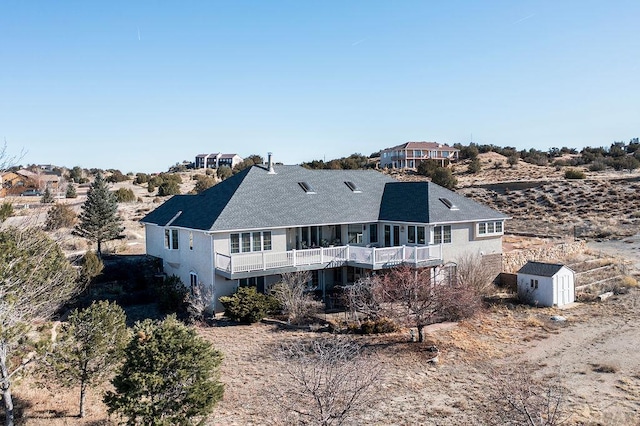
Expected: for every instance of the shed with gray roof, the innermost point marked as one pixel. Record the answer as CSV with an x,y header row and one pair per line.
x,y
546,284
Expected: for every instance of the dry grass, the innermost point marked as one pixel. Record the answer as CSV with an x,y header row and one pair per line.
x,y
412,391
605,368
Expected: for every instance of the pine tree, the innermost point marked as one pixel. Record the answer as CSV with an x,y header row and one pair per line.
x,y
99,220
71,191
170,376
35,279
47,196
60,216
90,346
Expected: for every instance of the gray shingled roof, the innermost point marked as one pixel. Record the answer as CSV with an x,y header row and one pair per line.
x,y
255,199
421,202
541,269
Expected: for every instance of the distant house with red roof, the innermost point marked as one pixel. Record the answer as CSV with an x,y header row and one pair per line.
x,y
410,154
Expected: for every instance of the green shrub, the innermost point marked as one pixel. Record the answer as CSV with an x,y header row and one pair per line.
x,y
574,174
71,191
246,305
169,188
125,195
141,178
597,166
224,172
203,182
6,210
60,216
170,376
91,267
427,167
475,166
47,197
172,295
117,176
442,176
381,325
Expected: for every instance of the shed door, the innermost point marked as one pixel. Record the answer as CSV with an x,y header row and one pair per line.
x,y
564,290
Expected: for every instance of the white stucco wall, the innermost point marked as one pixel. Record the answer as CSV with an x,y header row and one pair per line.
x,y
183,261
464,243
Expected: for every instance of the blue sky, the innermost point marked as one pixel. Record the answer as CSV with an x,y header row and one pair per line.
x,y
141,85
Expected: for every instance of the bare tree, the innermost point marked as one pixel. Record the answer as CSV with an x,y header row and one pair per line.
x,y
35,278
410,295
365,297
331,380
293,294
199,301
7,160
519,399
472,273
415,297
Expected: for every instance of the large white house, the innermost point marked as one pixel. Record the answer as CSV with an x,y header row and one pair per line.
x,y
409,155
339,224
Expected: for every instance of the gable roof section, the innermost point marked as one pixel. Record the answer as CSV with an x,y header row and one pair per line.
x,y
198,211
420,202
541,269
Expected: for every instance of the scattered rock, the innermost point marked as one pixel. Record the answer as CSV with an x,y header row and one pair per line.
x,y
605,296
558,318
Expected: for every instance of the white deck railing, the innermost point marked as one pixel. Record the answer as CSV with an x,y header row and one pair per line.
x,y
367,256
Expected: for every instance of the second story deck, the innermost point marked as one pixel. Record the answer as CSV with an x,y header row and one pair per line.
x,y
244,265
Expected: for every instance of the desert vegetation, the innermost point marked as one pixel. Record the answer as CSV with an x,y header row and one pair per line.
x,y
301,364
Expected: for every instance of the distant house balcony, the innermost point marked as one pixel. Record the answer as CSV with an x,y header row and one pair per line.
x,y
245,265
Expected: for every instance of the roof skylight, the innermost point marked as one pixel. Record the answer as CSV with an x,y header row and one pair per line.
x,y
447,202
352,186
307,188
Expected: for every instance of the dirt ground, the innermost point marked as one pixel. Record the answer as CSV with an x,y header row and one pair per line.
x,y
594,355
456,391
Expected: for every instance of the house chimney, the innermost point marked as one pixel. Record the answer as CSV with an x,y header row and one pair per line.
x,y
270,164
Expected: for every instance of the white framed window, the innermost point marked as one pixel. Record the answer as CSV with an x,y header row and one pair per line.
x,y
250,241
442,234
171,239
266,240
373,233
416,234
491,228
193,280
246,242
411,234
256,241
235,243
534,284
